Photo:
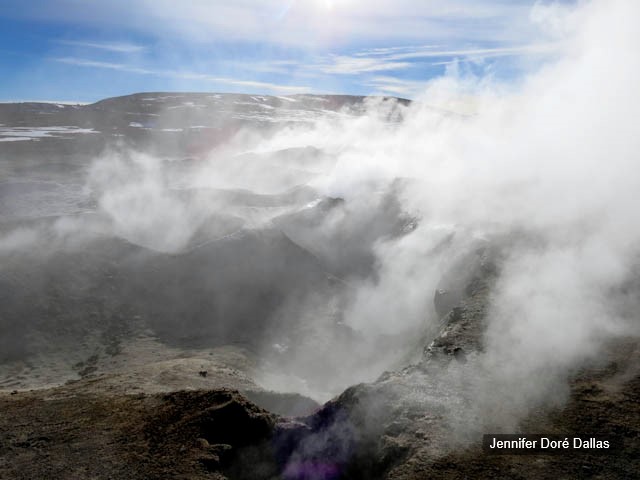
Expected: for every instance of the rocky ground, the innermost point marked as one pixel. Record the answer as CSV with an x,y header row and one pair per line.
x,y
223,353
81,431
84,293
398,427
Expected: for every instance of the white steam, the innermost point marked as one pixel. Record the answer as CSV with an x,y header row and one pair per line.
x,y
556,156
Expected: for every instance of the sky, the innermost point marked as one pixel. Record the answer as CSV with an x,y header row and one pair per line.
x,y
75,50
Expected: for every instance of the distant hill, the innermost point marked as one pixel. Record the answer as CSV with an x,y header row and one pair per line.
x,y
172,123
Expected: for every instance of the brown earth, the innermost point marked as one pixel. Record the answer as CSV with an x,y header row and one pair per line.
x,y
66,433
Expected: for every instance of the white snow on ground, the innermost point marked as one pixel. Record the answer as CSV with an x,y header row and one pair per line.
x,y
253,104
39,132
288,99
140,125
290,116
69,103
187,105
14,139
143,113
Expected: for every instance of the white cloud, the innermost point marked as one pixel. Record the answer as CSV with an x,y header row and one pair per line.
x,y
80,62
347,65
395,58
306,23
303,41
541,48
270,66
392,50
395,86
303,23
185,75
108,46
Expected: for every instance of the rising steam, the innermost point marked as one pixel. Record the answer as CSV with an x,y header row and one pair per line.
x,y
553,159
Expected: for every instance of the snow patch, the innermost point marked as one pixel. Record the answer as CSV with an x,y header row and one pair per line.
x,y
15,139
38,132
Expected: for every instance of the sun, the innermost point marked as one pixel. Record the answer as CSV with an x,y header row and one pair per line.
x,y
325,4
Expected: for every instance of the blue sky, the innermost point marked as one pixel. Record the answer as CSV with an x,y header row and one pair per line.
x,y
77,50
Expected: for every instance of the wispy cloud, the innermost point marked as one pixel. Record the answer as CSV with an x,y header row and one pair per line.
x,y
392,50
80,62
389,59
541,48
397,58
185,75
269,66
395,86
108,46
352,65
308,23
261,46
